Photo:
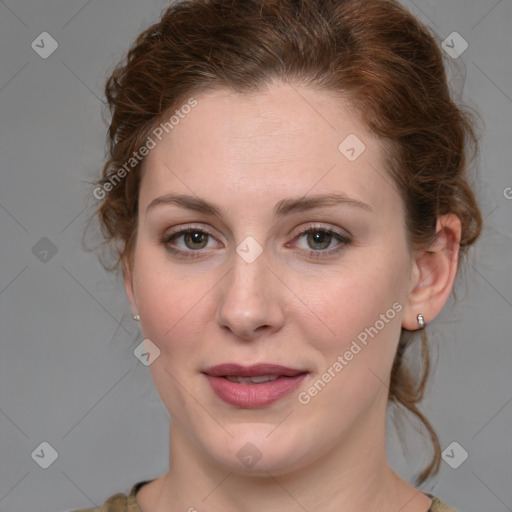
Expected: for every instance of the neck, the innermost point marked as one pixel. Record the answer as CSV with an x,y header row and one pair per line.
x,y
354,476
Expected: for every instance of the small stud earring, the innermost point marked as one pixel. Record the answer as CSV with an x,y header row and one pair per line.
x,y
421,321
136,318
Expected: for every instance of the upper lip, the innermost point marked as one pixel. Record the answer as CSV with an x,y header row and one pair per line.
x,y
256,370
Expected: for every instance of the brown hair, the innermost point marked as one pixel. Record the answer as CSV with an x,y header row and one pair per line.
x,y
373,52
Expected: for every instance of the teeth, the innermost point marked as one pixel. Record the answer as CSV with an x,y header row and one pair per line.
x,y
256,380
263,378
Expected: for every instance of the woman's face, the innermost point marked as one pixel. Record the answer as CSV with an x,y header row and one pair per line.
x,y
270,239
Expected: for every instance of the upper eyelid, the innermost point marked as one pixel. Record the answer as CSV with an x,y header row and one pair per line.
x,y
201,227
345,234
184,229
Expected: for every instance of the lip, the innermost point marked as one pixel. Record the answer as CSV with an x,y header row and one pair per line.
x,y
253,395
255,370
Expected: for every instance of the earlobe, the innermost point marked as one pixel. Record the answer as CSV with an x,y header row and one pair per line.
x,y
435,271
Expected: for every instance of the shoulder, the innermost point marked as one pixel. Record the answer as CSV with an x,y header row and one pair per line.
x,y
118,502
438,505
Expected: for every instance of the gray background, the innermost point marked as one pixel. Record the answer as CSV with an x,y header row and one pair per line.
x,y
68,375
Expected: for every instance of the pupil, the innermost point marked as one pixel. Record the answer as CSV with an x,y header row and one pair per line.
x,y
196,238
321,237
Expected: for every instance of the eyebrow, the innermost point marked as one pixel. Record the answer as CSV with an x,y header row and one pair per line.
x,y
284,207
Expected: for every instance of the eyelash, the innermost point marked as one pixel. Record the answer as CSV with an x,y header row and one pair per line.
x,y
318,254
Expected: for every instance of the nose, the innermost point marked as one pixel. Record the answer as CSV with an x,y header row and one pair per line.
x,y
251,299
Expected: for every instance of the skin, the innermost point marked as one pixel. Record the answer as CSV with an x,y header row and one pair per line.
x,y
246,153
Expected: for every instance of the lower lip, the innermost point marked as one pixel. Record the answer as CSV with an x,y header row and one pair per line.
x,y
254,395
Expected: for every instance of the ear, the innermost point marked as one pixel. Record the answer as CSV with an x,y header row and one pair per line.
x,y
128,284
434,273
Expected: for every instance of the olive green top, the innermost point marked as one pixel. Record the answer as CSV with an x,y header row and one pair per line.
x,y
122,503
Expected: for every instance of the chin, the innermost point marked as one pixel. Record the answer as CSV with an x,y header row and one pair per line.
x,y
253,451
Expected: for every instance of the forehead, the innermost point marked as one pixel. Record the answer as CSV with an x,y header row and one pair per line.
x,y
285,140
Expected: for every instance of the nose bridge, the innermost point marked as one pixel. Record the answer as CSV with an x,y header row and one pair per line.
x,y
248,278
249,299
249,270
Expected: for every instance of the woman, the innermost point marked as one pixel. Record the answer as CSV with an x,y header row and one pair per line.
x,y
286,190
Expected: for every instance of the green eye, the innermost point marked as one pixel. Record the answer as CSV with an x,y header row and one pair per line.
x,y
319,241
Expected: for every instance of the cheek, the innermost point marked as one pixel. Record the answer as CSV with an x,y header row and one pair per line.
x,y
173,317
167,303
355,299
362,307
353,365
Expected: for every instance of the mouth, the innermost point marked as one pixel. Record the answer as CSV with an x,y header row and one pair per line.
x,y
253,386
252,380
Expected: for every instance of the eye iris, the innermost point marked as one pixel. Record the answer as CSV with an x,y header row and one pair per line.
x,y
319,237
195,237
